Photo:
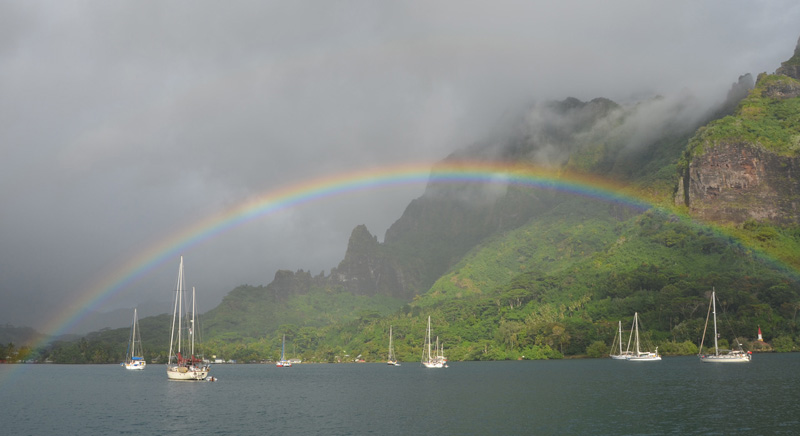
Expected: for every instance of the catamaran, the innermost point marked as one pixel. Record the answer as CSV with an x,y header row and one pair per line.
x,y
436,360
638,355
179,366
134,356
283,363
623,355
731,356
392,359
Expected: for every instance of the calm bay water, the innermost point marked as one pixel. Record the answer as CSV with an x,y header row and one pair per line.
x,y
591,396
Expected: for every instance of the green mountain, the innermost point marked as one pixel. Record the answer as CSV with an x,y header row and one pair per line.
x,y
510,272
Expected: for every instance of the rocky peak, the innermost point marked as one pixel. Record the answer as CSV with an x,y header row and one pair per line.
x,y
287,283
791,67
779,86
366,269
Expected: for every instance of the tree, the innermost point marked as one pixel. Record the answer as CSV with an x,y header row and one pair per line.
x,y
597,349
783,344
561,335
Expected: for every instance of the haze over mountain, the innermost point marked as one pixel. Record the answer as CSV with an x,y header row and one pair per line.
x,y
690,201
126,122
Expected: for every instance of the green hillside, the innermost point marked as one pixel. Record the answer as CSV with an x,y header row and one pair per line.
x,y
534,274
559,284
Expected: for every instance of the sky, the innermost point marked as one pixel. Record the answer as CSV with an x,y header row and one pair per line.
x,y
123,122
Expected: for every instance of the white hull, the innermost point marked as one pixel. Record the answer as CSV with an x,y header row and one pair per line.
x,y
726,358
620,356
434,365
138,365
187,374
652,358
283,364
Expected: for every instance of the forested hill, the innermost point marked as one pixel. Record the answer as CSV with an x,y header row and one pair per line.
x,y
525,273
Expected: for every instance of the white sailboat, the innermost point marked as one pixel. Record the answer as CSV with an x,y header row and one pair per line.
x,y
638,355
623,355
731,356
179,365
436,360
283,363
440,353
134,357
392,359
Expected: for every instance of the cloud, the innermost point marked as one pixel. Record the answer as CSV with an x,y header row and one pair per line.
x,y
123,122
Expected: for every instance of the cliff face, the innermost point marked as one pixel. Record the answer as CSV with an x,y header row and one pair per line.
x,y
736,181
288,284
366,269
746,166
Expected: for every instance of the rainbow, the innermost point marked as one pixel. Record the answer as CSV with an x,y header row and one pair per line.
x,y
294,195
308,191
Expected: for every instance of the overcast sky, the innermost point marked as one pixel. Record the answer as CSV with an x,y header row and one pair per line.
x,y
122,122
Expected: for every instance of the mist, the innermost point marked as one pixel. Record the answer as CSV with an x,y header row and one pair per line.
x,y
122,123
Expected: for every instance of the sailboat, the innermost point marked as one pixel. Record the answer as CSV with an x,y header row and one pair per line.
x,y
392,359
436,360
440,353
638,355
283,363
623,355
134,357
179,365
732,356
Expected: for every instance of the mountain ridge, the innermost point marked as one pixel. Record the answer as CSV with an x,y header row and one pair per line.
x,y
524,273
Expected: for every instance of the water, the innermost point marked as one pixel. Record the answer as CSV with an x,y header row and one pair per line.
x,y
678,396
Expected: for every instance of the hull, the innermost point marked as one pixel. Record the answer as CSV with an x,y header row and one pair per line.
x,y
619,356
644,358
135,365
726,358
283,364
187,374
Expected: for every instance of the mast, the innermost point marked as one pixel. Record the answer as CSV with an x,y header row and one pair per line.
x,y
133,335
428,338
636,325
630,337
620,337
390,342
180,307
191,327
714,306
131,348
176,314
